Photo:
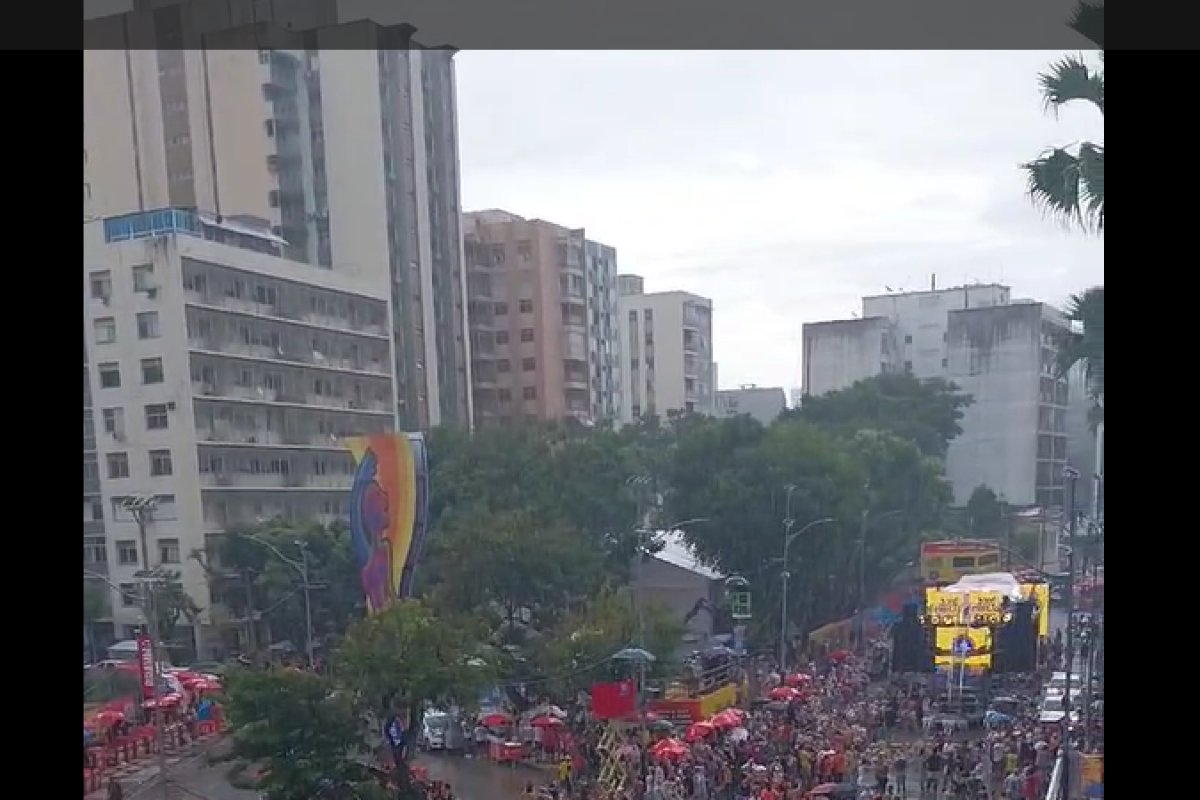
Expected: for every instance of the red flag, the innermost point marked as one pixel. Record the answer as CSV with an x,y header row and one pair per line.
x,y
614,700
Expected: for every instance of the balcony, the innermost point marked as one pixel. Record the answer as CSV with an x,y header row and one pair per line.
x,y
210,437
270,482
91,485
286,399
275,312
93,527
308,360
95,568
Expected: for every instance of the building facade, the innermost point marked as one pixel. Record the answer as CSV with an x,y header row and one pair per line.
x,y
665,350
1000,351
763,403
542,319
220,380
349,155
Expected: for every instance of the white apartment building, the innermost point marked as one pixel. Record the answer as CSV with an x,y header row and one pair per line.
x,y
219,379
1000,351
665,350
763,403
350,155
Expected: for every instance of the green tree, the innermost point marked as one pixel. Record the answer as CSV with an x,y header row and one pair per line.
x,y
736,474
503,564
577,652
172,604
407,655
1088,21
1068,182
1086,347
926,412
305,735
985,514
254,582
96,607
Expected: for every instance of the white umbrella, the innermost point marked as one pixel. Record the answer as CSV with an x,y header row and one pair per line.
x,y
739,735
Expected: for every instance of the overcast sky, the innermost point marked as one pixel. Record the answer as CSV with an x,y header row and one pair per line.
x,y
783,185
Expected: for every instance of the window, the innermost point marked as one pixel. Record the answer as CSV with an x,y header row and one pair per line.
x,y
101,283
525,250
168,551
503,365
908,339
152,370
156,417
501,337
147,324
106,330
160,463
527,334
94,551
528,364
497,251
118,465
504,395
143,278
97,511
526,307
500,309
114,421
129,594
908,366
945,363
529,393
127,552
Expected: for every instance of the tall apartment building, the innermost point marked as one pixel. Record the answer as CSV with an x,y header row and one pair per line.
x,y
998,350
219,380
542,316
350,155
666,351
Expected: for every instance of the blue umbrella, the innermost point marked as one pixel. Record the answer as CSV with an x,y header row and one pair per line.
x,y
634,654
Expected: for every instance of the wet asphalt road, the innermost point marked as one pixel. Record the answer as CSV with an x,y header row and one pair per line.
x,y
480,779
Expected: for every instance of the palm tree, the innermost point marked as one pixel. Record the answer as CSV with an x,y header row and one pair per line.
x,y
1068,182
1087,347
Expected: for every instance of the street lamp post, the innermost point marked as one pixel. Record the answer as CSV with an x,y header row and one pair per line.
x,y
788,538
862,567
1072,476
301,568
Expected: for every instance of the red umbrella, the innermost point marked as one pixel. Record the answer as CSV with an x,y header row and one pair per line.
x,y
699,730
797,679
668,750
729,718
783,694
546,722
109,717
204,686
838,656
495,720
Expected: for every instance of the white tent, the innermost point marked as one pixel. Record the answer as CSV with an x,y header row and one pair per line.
x,y
1001,582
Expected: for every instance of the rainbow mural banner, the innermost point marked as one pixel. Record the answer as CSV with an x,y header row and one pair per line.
x,y
388,513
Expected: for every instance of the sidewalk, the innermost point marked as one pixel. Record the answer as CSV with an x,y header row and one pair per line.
x,y
137,776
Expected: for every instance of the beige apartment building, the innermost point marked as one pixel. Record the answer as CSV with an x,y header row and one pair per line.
x,y
542,315
666,351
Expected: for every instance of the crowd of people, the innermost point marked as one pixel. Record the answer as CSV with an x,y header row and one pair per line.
x,y
841,736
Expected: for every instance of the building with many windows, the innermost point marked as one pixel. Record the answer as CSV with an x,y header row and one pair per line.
x,y
219,381
763,403
542,305
998,350
349,154
665,350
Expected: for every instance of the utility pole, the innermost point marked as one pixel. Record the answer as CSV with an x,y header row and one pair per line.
x,y
862,570
1072,476
141,508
